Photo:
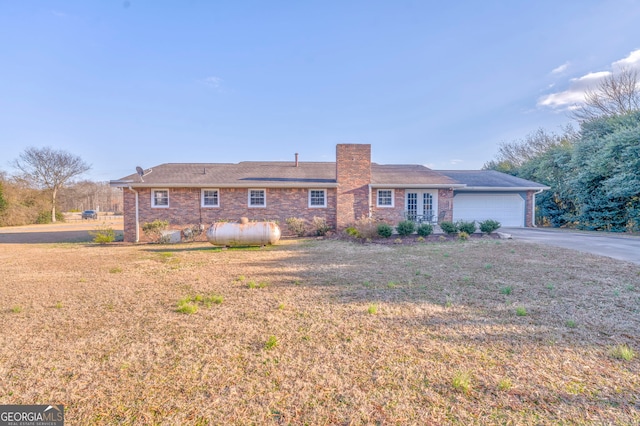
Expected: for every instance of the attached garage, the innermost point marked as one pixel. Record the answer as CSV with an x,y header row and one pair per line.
x,y
508,209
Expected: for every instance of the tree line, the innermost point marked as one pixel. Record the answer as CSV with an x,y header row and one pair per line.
x,y
45,185
594,172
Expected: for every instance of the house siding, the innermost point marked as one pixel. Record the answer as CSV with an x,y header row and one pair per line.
x,y
185,208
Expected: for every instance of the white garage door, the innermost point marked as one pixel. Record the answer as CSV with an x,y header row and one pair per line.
x,y
508,209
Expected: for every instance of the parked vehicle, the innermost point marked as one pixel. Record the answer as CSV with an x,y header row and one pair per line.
x,y
89,214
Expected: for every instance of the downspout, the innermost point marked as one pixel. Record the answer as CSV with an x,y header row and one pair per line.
x,y
533,212
369,200
137,216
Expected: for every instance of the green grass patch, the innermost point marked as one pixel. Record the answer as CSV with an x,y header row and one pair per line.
x,y
271,342
462,381
623,352
521,311
190,304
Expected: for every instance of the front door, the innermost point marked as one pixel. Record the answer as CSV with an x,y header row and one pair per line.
x,y
420,206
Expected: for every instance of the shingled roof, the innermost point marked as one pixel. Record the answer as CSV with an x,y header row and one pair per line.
x,y
490,180
278,174
275,174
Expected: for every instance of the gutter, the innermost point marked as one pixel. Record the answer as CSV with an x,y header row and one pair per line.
x,y
418,185
137,216
255,184
503,189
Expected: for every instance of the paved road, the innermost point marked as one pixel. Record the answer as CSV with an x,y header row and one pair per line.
x,y
623,248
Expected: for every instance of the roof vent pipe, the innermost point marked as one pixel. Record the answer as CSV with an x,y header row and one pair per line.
x,y
296,159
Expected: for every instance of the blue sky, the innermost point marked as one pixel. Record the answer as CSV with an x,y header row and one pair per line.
x,y
128,83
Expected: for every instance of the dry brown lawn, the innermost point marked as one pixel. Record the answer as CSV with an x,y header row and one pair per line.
x,y
320,332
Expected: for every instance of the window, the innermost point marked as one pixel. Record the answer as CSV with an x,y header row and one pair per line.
x,y
210,198
257,198
385,197
159,198
317,198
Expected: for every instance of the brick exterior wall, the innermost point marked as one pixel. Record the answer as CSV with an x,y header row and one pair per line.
x,y
445,205
353,175
391,215
529,209
185,208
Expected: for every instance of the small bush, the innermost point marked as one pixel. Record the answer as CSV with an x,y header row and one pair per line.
x,y
406,227
468,227
103,234
489,225
153,230
297,226
521,312
373,309
385,230
425,230
320,226
449,227
367,227
44,217
463,236
352,232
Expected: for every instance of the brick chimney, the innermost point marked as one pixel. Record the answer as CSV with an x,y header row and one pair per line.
x,y
353,175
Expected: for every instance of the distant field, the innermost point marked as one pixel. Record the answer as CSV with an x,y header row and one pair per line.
x,y
321,332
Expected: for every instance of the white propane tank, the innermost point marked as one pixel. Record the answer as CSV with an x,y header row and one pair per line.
x,y
244,233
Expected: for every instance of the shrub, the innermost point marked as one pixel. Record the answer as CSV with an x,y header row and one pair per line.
x,y
385,230
406,227
153,230
463,236
449,227
367,227
425,230
320,225
468,227
297,226
352,232
489,225
103,234
45,217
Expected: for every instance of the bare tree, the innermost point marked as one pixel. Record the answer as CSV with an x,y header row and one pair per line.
x,y
512,155
49,169
617,94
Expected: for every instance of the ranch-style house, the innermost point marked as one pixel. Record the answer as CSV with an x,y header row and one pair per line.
x,y
341,192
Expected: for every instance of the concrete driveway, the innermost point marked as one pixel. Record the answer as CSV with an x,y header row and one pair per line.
x,y
618,247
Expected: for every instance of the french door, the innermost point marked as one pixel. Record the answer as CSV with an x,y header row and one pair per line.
x,y
420,206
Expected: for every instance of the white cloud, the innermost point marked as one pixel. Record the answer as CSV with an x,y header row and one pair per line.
x,y
456,161
213,82
562,68
631,61
574,94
